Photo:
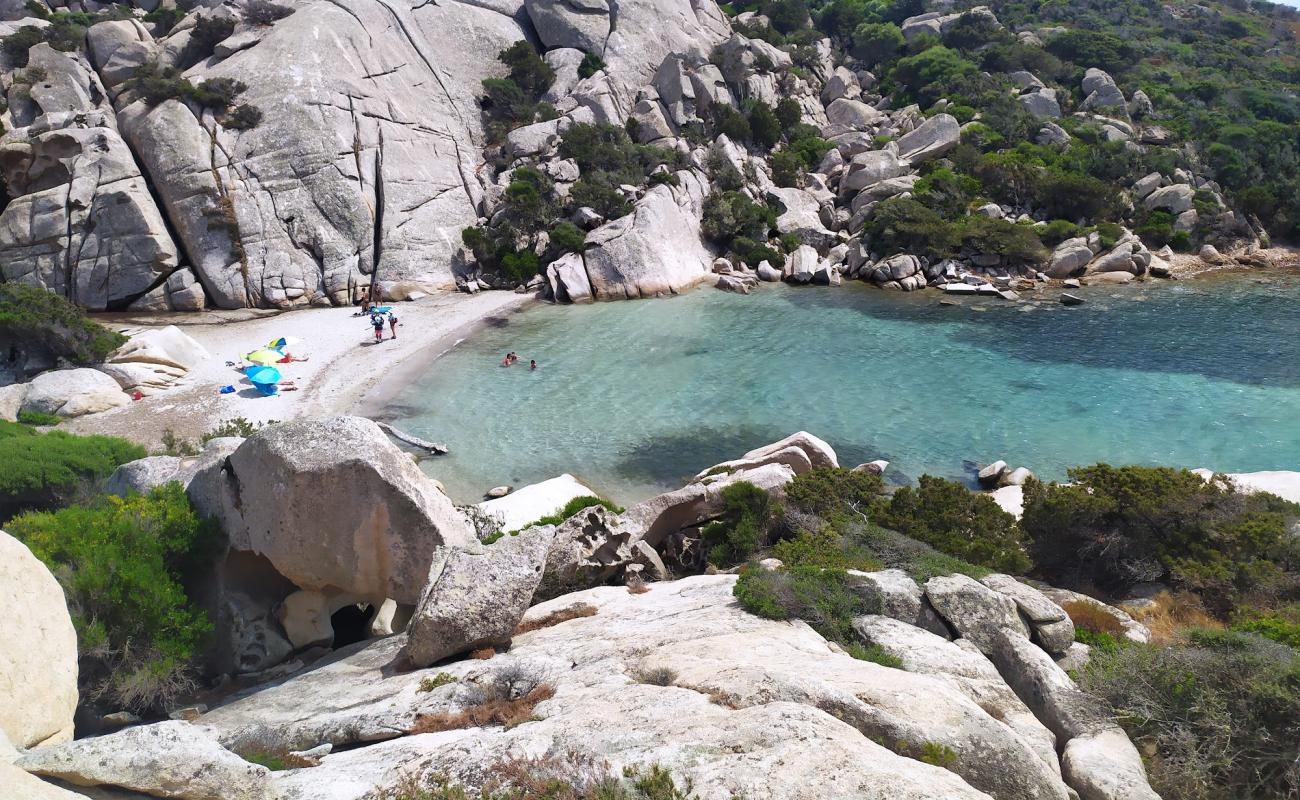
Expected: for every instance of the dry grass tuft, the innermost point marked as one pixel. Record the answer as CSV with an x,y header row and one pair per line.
x,y
494,710
1174,613
657,676
483,654
1093,618
638,587
575,611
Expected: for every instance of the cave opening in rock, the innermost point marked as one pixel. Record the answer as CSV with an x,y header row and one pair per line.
x,y
352,623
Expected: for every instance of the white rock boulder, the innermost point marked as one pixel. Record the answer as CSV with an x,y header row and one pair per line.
x,y
38,651
73,392
528,504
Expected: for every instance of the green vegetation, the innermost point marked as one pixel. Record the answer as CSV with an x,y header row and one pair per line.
x,y
156,85
37,418
955,520
207,33
1114,527
123,564
824,598
265,12
573,776
1220,711
576,505
41,326
42,470
590,65
742,226
743,525
513,101
514,245
271,761
874,653
431,682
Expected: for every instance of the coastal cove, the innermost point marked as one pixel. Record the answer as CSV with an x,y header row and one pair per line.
x,y
632,397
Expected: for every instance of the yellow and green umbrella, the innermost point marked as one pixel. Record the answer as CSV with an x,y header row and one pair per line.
x,y
264,356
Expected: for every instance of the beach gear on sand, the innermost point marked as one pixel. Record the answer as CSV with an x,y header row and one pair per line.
x,y
283,342
227,390
263,376
381,309
267,389
264,356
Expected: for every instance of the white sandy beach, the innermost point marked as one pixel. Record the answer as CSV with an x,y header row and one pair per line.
x,y
345,364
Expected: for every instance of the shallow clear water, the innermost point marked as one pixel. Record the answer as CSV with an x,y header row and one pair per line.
x,y
634,396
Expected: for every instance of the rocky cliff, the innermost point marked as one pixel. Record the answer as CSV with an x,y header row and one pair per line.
x,y
250,153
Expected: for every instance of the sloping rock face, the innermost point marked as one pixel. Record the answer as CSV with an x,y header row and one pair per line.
x,y
364,163
476,596
332,504
752,708
655,250
169,759
82,222
38,651
73,392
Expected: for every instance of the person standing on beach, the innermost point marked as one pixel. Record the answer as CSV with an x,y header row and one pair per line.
x,y
392,323
377,322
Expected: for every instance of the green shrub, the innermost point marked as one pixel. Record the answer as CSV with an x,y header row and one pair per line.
x,y
728,215
1221,710
43,326
824,598
826,548
873,653
42,470
575,505
1117,526
826,490
155,85
754,253
590,65
122,564
742,527
729,122
1281,625
165,18
957,521
567,237
271,761
1092,48
215,93
764,127
16,44
207,33
38,418
787,168
788,113
265,12
877,42
527,69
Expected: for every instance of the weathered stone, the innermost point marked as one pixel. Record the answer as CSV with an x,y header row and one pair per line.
x,y
522,507
866,169
476,596
898,597
1133,629
655,250
377,533
1050,623
73,392
973,610
801,264
934,138
853,114
1070,258
1175,199
38,651
1042,103
167,759
656,518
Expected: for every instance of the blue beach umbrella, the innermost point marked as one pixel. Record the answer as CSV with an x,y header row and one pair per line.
x,y
264,376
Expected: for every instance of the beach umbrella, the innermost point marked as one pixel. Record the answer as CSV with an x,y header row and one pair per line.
x,y
263,376
264,356
283,342
381,309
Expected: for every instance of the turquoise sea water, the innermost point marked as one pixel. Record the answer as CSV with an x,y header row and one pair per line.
x,y
634,396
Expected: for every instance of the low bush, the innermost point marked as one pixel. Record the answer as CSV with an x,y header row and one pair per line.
x,y
497,706
1219,711
123,564
575,611
572,776
265,12
742,527
577,504
873,653
590,65
736,222
514,100
40,326
38,418
824,598
826,548
957,521
1281,625
1113,527
208,32
826,490
431,682
44,470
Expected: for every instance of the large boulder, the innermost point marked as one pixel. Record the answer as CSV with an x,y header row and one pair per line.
x,y
144,474
579,24
1051,625
934,138
73,392
1175,199
168,759
1101,94
20,785
655,250
38,651
800,451
895,595
526,505
975,611
800,214
660,516
332,504
872,167
476,596
1070,258
154,359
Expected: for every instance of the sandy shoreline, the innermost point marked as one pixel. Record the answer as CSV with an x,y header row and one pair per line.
x,y
346,370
